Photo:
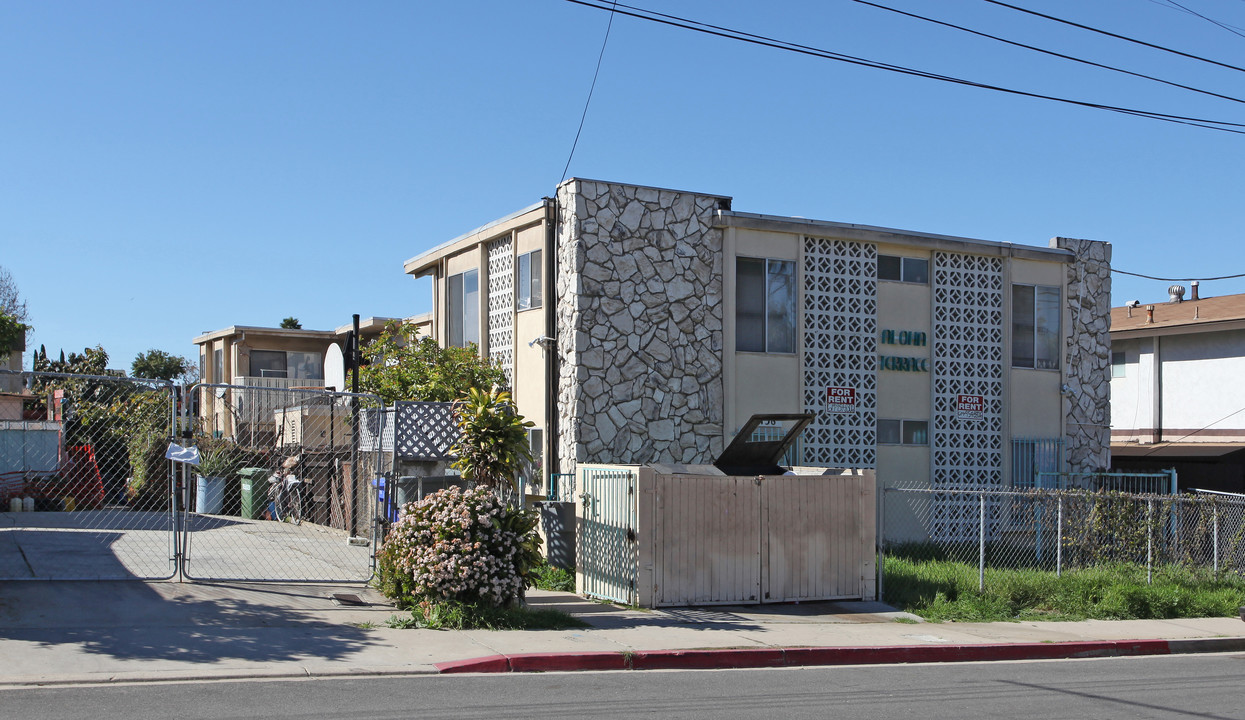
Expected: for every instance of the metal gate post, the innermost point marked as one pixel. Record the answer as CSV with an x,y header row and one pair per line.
x,y
881,542
981,543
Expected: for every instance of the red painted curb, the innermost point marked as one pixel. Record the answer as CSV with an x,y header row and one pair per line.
x,y
555,661
727,658
490,664
708,659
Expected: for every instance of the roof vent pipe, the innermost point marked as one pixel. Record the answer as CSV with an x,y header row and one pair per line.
x,y
1149,313
1175,293
1193,290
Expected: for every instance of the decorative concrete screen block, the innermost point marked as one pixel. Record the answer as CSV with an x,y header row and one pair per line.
x,y
1087,359
639,316
501,305
425,430
967,360
840,350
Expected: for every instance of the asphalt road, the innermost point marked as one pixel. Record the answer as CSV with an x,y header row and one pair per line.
x,y
1192,686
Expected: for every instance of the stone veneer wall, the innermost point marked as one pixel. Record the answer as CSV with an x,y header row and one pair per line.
x,y
639,312
1087,363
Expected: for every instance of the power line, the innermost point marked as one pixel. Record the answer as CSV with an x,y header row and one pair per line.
x,y
1048,52
1163,279
1114,35
1230,28
761,40
592,87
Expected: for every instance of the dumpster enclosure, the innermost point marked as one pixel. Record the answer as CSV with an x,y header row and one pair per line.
x,y
657,536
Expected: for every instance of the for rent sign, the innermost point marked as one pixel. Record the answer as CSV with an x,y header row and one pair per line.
x,y
970,407
841,399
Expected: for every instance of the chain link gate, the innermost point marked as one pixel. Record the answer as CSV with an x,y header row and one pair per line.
x,y
85,490
284,489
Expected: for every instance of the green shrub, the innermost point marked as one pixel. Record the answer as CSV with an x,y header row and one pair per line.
x,y
464,546
548,577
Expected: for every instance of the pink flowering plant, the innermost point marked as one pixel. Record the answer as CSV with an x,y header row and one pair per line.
x,y
459,546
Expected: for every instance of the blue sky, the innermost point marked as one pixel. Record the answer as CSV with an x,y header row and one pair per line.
x,y
171,168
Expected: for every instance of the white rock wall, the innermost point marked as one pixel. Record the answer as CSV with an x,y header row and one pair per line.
x,y
639,303
1087,360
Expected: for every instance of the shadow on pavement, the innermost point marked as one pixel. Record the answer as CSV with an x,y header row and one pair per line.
x,y
176,622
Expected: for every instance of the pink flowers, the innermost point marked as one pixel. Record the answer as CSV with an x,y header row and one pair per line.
x,y
462,545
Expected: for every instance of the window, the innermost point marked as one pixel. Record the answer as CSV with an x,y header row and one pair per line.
x,y
218,366
464,308
529,280
903,269
287,364
903,432
1035,327
532,472
764,305
1117,364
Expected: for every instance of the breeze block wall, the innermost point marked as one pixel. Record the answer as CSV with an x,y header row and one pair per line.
x,y
639,313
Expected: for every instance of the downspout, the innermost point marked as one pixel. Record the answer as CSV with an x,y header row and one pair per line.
x,y
551,331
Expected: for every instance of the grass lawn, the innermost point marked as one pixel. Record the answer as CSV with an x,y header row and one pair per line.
x,y
943,590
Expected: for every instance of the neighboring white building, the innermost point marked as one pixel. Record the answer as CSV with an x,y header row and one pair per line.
x,y
1177,396
643,325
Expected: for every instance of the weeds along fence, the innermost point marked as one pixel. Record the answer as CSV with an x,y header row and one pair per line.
x,y
1062,530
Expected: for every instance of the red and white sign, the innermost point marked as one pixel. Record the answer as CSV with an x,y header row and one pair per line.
x,y
841,399
970,407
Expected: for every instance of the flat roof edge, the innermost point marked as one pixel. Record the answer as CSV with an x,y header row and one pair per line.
x,y
780,223
414,264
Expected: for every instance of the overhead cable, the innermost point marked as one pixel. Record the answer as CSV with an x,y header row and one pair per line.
x,y
1048,52
1114,35
1163,279
730,34
592,87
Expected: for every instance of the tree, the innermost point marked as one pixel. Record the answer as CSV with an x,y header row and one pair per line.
x,y
291,323
11,302
159,365
12,332
400,365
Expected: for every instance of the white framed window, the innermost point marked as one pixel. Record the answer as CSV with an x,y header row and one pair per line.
x,y
287,364
1118,364
218,366
463,309
903,432
765,305
903,269
1036,332
528,296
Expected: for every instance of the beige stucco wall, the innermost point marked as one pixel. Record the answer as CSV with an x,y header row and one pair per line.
x,y
902,307
529,366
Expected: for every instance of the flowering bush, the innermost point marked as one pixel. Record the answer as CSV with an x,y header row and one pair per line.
x,y
459,545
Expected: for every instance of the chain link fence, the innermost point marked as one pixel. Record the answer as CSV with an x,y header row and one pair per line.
x,y
1061,530
287,483
85,490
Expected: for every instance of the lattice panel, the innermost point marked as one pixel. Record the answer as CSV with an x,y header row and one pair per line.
x,y
425,430
501,305
968,360
840,350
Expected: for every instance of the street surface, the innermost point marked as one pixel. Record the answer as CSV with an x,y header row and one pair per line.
x,y
1187,686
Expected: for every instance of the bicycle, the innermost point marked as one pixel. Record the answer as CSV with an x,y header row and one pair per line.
x,y
285,493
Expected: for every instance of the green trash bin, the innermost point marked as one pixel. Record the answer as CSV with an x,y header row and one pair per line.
x,y
254,491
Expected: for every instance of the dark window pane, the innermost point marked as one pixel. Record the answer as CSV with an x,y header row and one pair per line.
x,y
524,289
1046,321
915,432
888,432
780,307
1022,326
454,311
888,267
471,307
537,270
916,270
749,305
268,363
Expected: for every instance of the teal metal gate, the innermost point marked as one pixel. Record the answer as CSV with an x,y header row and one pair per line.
x,y
607,534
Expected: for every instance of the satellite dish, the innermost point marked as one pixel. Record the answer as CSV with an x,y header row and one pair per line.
x,y
334,368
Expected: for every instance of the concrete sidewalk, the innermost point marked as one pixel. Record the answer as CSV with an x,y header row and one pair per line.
x,y
92,632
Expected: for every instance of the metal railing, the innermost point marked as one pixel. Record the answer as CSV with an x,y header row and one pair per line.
x,y
1162,483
